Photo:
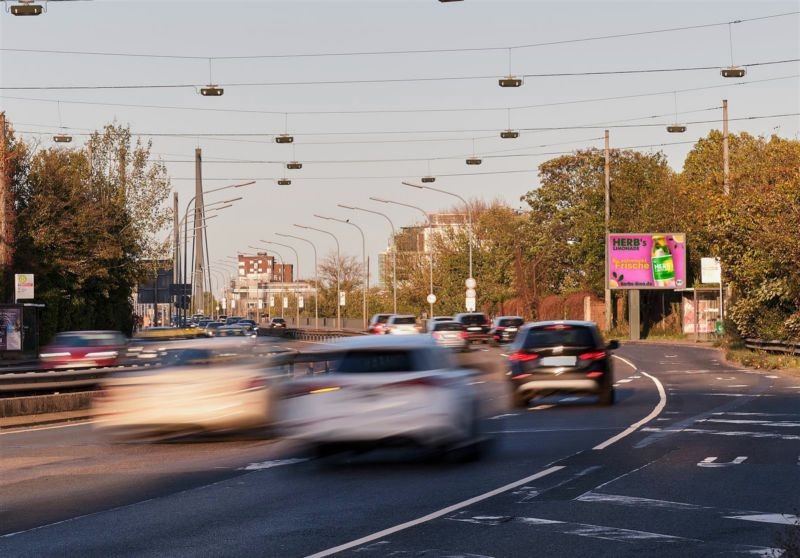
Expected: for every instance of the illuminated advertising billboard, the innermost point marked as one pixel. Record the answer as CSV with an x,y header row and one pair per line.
x,y
646,261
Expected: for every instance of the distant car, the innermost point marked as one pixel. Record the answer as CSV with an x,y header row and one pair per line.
x,y
205,387
233,320
234,330
476,324
449,334
250,324
73,349
385,391
399,324
211,327
277,323
504,328
561,356
377,324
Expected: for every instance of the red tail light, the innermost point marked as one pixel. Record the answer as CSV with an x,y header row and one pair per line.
x,y
464,335
523,357
437,335
255,383
594,375
519,376
595,355
557,326
499,328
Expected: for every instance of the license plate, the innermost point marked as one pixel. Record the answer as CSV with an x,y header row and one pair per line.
x,y
511,329
473,329
559,361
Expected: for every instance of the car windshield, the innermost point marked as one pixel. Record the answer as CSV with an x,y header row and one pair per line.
x,y
410,320
559,335
381,319
448,326
511,322
473,319
375,361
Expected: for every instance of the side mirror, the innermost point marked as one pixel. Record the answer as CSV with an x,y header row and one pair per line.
x,y
613,345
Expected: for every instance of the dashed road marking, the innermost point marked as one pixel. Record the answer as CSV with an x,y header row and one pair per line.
x,y
711,462
541,407
273,463
776,518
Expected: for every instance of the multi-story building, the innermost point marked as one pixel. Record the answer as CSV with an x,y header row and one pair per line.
x,y
264,288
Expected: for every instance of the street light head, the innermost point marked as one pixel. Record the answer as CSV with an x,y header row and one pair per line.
x,y
62,138
510,81
474,161
428,179
26,9
212,91
284,138
509,134
294,165
676,129
284,182
733,72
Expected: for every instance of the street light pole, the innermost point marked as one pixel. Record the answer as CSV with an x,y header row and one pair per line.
x,y
469,217
297,274
394,250
607,217
363,262
316,275
283,269
338,269
431,296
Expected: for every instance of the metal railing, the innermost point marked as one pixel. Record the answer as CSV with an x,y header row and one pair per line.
x,y
784,347
320,335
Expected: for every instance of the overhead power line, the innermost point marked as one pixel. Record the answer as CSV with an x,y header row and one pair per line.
x,y
375,80
403,111
404,51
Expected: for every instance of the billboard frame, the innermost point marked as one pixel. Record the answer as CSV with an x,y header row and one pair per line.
x,y
607,271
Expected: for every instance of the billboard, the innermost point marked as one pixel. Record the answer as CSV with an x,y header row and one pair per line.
x,y
646,261
11,328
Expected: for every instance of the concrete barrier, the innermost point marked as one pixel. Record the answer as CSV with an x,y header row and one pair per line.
x,y
42,404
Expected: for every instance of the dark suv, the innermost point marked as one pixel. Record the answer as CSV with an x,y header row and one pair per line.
x,y
562,356
504,328
476,324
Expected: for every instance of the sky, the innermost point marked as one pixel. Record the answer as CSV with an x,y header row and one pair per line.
x,y
405,129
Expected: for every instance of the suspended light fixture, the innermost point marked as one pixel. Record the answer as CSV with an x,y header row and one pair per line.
x,y
510,80
676,128
473,160
211,90
62,137
285,137
284,182
429,178
508,133
26,8
732,71
294,164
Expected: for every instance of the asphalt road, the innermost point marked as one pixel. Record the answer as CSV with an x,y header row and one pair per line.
x,y
696,459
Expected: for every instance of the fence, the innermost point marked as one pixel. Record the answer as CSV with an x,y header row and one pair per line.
x,y
773,346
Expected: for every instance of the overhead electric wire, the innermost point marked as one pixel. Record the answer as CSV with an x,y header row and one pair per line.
x,y
405,51
374,80
407,111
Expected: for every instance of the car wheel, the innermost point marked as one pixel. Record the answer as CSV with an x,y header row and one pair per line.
x,y
607,396
519,401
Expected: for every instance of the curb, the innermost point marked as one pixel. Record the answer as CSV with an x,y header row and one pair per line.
x,y
43,419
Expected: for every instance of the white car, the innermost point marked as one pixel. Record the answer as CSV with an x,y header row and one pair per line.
x,y
451,335
385,391
400,324
213,386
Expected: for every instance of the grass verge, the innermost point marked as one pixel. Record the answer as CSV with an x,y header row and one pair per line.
x,y
762,360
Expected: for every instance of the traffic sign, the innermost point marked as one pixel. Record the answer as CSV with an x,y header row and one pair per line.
x,y
471,304
471,293
471,283
431,298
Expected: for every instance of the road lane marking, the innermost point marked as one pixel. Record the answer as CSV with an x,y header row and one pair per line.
x,y
503,416
711,462
623,381
22,430
435,515
662,402
637,502
732,433
270,464
780,423
541,407
776,518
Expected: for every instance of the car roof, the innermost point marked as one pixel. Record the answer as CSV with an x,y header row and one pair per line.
x,y
403,316
382,342
562,322
471,314
448,322
509,318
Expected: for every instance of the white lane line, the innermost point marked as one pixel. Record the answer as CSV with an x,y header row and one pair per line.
x,y
732,433
636,502
623,381
22,430
772,377
503,416
662,402
711,462
569,399
541,407
779,423
271,464
746,414
434,515
776,518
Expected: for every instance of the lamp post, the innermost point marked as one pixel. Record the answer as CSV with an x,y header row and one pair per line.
x,y
394,250
471,278
431,297
363,263
316,275
201,226
338,270
297,274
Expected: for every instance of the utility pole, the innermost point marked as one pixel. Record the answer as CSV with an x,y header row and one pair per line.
x,y
6,208
176,241
199,214
726,175
607,168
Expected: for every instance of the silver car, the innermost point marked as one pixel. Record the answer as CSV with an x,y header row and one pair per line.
x,y
449,334
400,324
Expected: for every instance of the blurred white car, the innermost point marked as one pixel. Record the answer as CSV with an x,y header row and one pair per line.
x,y
385,391
399,324
451,334
196,387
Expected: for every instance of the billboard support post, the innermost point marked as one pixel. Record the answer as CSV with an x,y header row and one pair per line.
x,y
633,314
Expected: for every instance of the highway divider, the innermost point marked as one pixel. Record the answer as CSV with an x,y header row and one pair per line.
x,y
784,347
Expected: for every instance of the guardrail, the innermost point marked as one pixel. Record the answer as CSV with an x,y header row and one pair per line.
x,y
773,346
309,334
